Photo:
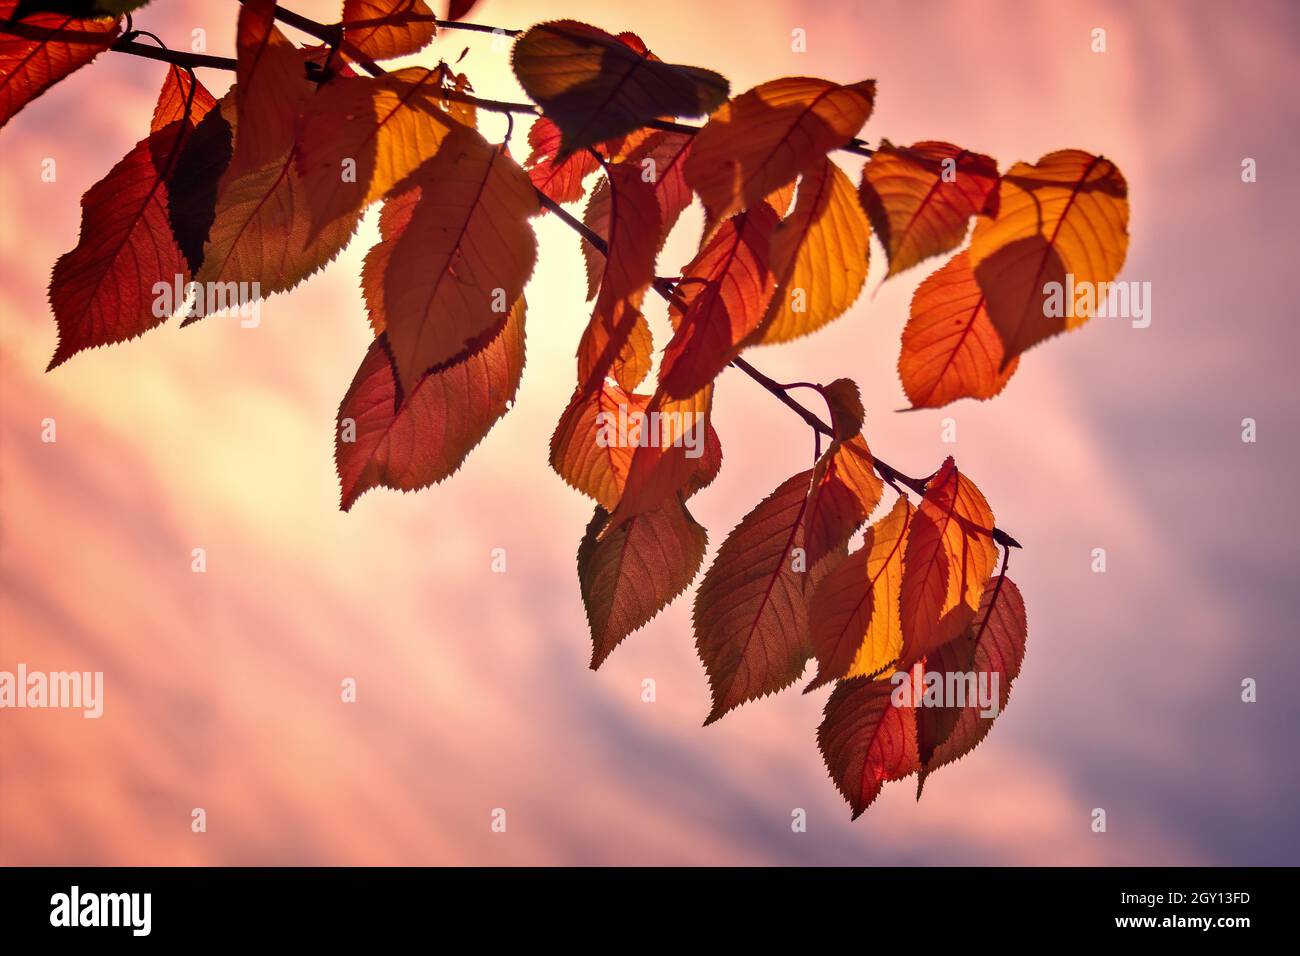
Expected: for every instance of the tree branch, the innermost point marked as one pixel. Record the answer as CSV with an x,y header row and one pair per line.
x,y
332,34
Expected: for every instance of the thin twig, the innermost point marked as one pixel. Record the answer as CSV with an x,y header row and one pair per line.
x,y
332,34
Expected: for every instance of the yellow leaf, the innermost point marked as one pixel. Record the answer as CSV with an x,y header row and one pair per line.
x,y
764,138
1066,215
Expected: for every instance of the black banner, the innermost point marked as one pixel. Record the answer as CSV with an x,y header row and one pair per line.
x,y
116,905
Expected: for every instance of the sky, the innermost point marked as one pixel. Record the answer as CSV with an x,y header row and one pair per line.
x,y
222,689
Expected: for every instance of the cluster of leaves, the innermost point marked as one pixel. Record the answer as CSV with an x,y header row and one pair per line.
x,y
249,188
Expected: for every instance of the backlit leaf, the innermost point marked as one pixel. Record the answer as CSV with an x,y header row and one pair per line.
x,y
463,257
921,198
994,645
595,86
560,179
950,555
657,160
363,135
819,257
680,453
382,29
854,613
764,138
617,340
630,572
751,620
721,299
261,233
586,450
845,491
43,48
410,441
866,740
1066,215
950,348
106,289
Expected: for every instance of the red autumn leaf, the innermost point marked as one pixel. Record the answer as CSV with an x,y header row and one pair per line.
x,y
361,136
559,179
680,453
764,138
617,340
596,86
105,290
845,491
464,255
383,29
720,300
866,740
751,617
659,156
950,348
630,572
994,646
921,198
602,431
853,615
1066,215
409,441
582,451
845,487
261,233
43,48
950,555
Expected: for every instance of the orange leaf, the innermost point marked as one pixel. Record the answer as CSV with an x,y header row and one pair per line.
x,y
43,48
751,622
595,86
764,138
950,348
845,490
853,615
404,34
261,232
993,646
602,431
394,217
680,453
721,299
560,179
412,441
617,339
630,572
106,289
920,198
464,255
593,444
660,156
866,740
819,256
950,555
1066,215
361,136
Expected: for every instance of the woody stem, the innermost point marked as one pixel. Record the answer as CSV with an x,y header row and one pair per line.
x,y
332,34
